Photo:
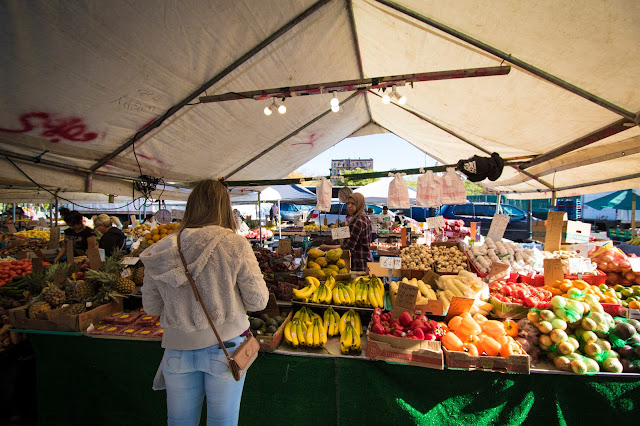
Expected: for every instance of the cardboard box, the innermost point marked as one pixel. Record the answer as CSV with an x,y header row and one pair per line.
x,y
270,343
377,270
515,364
508,310
58,320
421,353
346,256
584,248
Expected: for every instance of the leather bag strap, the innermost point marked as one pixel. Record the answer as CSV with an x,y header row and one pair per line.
x,y
199,299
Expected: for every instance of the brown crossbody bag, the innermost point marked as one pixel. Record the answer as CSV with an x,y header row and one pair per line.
x,y
246,353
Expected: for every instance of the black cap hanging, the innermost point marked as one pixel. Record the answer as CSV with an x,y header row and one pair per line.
x,y
479,168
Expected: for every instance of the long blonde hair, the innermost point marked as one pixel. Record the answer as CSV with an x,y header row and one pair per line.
x,y
208,204
106,220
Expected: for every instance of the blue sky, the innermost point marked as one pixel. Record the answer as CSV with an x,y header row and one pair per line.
x,y
387,150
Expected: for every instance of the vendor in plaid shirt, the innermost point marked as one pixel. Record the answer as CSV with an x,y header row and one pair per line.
x,y
360,229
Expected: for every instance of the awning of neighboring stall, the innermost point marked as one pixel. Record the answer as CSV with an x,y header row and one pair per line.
x,y
84,82
621,200
293,194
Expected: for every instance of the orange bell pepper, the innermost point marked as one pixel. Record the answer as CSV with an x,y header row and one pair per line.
x,y
452,342
470,348
469,326
479,318
454,323
510,348
490,345
511,327
493,328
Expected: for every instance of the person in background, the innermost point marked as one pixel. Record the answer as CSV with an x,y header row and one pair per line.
x,y
359,240
230,282
385,218
241,227
112,238
274,213
82,236
149,220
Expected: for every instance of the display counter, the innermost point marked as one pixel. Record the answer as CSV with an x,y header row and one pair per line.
x,y
83,380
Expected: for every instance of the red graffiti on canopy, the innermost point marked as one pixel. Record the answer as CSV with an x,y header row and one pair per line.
x,y
53,128
312,139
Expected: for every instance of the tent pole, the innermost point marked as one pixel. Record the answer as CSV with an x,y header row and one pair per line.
x,y
511,59
259,219
14,212
554,200
633,214
56,212
279,222
529,217
498,206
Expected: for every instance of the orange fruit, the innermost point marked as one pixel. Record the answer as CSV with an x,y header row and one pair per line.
x,y
148,237
155,232
156,238
163,231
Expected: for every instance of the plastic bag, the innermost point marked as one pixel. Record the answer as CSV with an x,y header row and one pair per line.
x,y
323,192
429,190
398,197
453,190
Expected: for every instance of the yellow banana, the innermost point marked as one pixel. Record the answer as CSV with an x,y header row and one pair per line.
x,y
301,329
309,335
312,281
287,332
373,301
357,341
330,282
351,295
343,322
336,298
343,349
316,333
303,293
314,297
378,296
323,335
294,332
348,336
331,324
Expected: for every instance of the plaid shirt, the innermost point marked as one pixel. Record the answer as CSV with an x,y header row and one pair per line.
x,y
359,243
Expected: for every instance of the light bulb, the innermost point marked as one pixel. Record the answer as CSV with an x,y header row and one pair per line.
x,y
335,108
267,111
282,109
402,100
335,102
386,98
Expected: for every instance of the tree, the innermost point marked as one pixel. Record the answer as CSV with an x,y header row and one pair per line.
x,y
473,188
346,181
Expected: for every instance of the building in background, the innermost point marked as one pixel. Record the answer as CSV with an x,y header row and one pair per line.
x,y
339,166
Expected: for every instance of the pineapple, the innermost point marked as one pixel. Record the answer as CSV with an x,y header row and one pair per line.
x,y
99,279
124,285
54,296
37,310
138,276
75,309
80,292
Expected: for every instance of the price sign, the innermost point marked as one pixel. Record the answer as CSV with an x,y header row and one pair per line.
x,y
405,299
579,265
553,271
130,261
498,226
284,246
435,222
340,233
54,237
132,219
126,273
635,264
390,262
42,222
11,228
458,306
499,271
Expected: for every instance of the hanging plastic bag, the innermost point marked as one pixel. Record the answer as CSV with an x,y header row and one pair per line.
x,y
453,190
323,192
398,197
429,190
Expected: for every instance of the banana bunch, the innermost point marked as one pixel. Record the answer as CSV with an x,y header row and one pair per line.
x,y
343,294
369,292
305,293
350,328
306,328
634,241
332,322
324,291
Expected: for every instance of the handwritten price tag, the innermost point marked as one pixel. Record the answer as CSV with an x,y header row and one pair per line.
x,y
435,222
498,226
579,266
340,233
128,261
635,264
390,262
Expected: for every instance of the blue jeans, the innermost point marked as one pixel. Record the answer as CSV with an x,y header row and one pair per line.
x,y
189,375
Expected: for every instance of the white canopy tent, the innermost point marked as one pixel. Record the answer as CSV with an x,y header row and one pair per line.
x,y
377,192
83,80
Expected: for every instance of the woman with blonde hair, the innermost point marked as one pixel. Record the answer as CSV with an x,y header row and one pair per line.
x,y
230,283
112,238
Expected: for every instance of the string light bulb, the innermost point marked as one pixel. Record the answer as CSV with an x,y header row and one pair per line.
x,y
335,102
282,109
335,108
386,98
401,99
267,110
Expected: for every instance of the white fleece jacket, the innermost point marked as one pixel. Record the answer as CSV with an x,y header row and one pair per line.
x,y
227,275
